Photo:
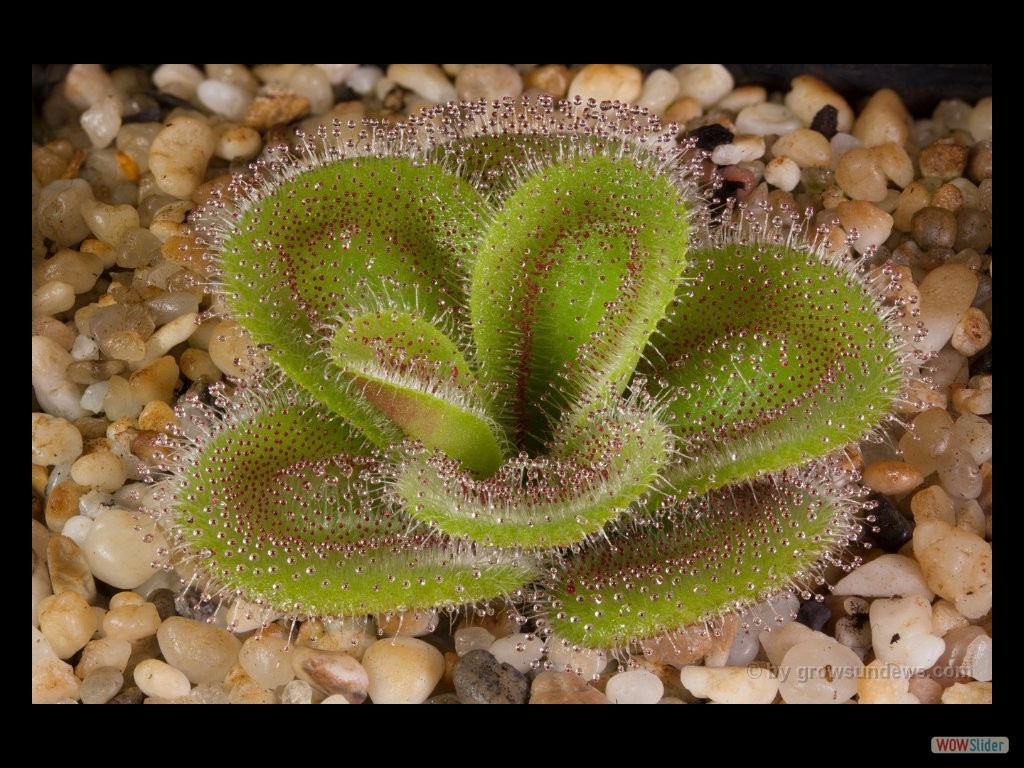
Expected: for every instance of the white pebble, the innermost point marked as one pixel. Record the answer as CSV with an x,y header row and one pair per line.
x,y
980,121
121,547
587,663
782,172
52,298
77,528
238,142
179,154
819,671
68,622
102,121
54,440
159,679
183,79
86,84
297,692
41,648
767,119
53,681
338,73
777,642
971,434
59,211
518,650
472,639
402,670
335,698
972,334
166,337
55,393
808,95
363,79
901,632
636,686
873,225
224,99
885,576
660,89
957,564
707,83
427,80
978,658
946,294
488,81
92,398
311,81
742,149
883,683
731,685
85,348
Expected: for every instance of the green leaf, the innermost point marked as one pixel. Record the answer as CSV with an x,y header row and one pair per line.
x,y
600,468
283,505
771,357
718,554
572,277
340,238
416,377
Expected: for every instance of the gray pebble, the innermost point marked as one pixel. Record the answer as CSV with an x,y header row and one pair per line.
x,y
480,679
130,695
163,599
934,227
443,698
101,685
973,229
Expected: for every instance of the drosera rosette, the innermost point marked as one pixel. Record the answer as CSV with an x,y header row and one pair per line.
x,y
513,356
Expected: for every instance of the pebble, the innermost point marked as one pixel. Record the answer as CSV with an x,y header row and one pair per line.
x,y
742,149
332,672
892,477
933,503
777,641
965,645
873,225
472,639
946,295
203,652
819,671
40,585
53,681
415,623
233,351
588,663
980,121
130,695
102,121
968,693
521,651
886,576
67,622
267,659
41,647
363,78
766,119
933,227
860,175
681,111
883,683
52,298
807,148
901,632
159,679
943,159
660,89
974,435
426,80
946,617
131,622
488,81
976,398
564,688
225,99
297,692
104,652
68,569
179,154
86,84
782,172
180,79
101,471
808,94
311,82
706,83
337,698
957,565
59,211
884,119
101,685
742,97
479,678
973,229
63,503
637,686
607,82
56,395
402,670
731,685
237,143
121,547
54,440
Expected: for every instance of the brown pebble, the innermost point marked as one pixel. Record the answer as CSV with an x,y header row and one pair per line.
x,y
973,230
62,504
275,105
564,688
948,196
979,162
679,648
943,159
891,477
934,227
69,571
550,78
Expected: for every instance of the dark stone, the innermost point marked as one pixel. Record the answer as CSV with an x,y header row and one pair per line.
x,y
480,679
982,366
443,698
890,529
131,695
710,136
813,614
192,605
163,599
826,121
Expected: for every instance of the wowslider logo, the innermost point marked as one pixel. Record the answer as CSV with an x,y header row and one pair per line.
x,y
970,744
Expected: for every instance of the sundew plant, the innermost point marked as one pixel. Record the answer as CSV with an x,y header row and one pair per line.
x,y
514,354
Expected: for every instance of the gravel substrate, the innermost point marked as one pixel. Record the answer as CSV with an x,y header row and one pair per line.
x,y
122,325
